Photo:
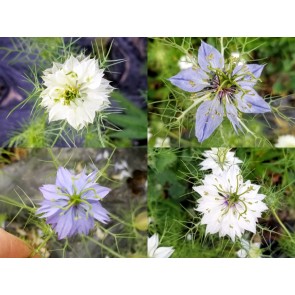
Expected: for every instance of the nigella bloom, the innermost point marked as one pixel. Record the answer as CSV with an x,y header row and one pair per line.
x,y
219,160
228,204
75,91
154,251
72,204
226,88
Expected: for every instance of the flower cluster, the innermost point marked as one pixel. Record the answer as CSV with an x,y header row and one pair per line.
x,y
72,204
228,205
224,88
75,91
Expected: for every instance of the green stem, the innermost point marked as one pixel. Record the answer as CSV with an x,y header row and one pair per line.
x,y
100,136
194,104
36,251
221,46
281,223
55,161
59,133
105,247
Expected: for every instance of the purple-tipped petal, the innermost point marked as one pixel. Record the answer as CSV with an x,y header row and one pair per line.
x,y
232,115
209,57
209,116
252,102
190,80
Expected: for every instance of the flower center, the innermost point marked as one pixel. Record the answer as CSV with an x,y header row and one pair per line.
x,y
223,84
75,199
69,95
233,198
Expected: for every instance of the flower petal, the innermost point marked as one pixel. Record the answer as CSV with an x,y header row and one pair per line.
x,y
99,213
64,180
209,116
232,115
50,192
209,57
64,224
152,244
163,252
247,74
252,102
191,80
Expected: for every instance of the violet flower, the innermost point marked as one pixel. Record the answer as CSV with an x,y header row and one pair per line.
x,y
72,204
226,89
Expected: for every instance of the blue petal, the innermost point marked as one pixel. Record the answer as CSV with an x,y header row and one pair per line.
x,y
191,80
247,74
209,57
64,224
100,213
209,116
252,102
232,115
92,176
255,69
96,192
79,181
84,222
50,192
64,180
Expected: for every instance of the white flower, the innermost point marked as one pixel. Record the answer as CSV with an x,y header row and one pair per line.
x,y
229,206
219,160
249,250
186,62
154,251
75,91
286,141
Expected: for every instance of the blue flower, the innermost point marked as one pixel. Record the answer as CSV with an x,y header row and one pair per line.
x,y
227,89
72,204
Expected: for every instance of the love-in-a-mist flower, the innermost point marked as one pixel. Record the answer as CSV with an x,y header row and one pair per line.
x,y
223,88
72,204
228,204
219,160
154,251
75,91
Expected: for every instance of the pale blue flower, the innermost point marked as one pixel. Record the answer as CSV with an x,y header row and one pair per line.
x,y
227,90
72,204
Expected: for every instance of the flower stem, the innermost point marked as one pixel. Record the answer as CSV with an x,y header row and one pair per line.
x,y
114,253
195,103
36,251
221,46
281,223
59,133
